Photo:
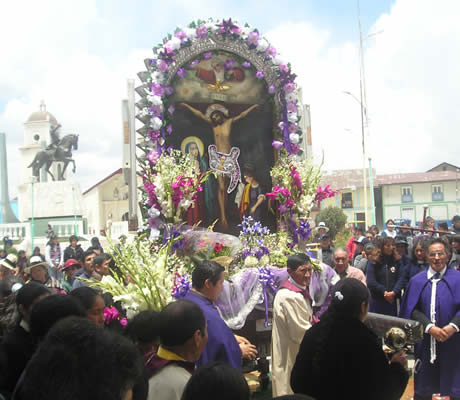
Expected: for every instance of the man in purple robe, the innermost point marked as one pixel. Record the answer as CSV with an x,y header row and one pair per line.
x,y
223,345
433,298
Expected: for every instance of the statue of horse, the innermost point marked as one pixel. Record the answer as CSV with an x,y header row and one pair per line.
x,y
62,152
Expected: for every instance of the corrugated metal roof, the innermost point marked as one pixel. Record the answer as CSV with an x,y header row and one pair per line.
x,y
416,177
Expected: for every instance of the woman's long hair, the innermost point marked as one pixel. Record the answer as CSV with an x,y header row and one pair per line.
x,y
347,297
377,254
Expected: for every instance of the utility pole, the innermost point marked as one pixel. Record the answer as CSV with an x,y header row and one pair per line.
x,y
364,115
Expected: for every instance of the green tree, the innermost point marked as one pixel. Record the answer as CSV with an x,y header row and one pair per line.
x,y
334,218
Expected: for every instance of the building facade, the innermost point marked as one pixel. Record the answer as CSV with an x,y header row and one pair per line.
x,y
405,195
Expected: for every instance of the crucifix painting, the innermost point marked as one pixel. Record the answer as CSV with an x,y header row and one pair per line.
x,y
229,110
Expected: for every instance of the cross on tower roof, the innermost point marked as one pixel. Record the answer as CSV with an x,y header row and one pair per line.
x,y
42,105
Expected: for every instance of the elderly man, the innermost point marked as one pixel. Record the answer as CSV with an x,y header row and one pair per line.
x,y
292,316
345,270
433,298
183,336
38,272
223,345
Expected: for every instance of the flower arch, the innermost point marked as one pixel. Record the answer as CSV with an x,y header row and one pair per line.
x,y
181,51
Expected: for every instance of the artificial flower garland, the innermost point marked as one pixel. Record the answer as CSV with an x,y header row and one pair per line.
x,y
157,110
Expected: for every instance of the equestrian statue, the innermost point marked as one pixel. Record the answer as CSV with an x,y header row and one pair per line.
x,y
59,150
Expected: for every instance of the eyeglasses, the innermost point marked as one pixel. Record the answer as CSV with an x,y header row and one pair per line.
x,y
340,259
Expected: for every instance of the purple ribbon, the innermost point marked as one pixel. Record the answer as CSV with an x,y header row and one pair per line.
x,y
267,279
182,286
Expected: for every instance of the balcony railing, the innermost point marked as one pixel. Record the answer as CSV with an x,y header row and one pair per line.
x,y
407,198
347,203
15,231
437,196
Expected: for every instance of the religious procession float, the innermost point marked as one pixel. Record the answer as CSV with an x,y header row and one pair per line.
x,y
223,176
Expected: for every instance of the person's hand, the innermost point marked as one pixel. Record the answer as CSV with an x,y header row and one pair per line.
x,y
389,296
248,351
241,339
400,358
439,334
449,330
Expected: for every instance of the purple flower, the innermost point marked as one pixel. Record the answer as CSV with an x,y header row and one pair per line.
x,y
304,230
237,30
162,66
181,35
181,72
271,89
207,55
246,65
289,87
201,32
295,148
153,157
271,52
169,129
284,68
277,144
227,27
293,128
154,135
229,64
156,111
169,90
181,286
253,38
171,109
194,63
281,125
158,90
291,107
260,75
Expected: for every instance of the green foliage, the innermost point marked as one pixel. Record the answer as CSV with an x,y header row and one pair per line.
x,y
342,238
334,218
12,250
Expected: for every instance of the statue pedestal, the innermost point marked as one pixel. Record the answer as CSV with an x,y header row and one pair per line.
x,y
49,200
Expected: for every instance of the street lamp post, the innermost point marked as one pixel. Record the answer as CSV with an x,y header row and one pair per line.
x,y
363,144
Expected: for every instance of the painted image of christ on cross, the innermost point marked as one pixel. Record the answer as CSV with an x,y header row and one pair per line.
x,y
217,116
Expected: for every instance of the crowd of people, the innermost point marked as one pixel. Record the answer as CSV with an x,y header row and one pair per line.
x,y
62,338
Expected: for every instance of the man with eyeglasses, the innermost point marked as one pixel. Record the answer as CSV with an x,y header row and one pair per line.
x,y
433,298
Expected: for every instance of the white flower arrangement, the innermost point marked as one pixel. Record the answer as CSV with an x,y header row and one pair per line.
x,y
174,184
145,275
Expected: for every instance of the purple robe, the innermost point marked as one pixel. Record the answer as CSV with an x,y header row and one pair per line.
x,y
444,375
222,345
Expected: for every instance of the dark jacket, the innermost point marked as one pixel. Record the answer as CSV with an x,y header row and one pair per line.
x,y
346,351
16,349
75,253
386,276
328,256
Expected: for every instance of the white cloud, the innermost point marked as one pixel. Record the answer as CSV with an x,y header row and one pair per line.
x,y
412,87
411,70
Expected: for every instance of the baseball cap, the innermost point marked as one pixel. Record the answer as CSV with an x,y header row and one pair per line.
x,y
70,262
362,240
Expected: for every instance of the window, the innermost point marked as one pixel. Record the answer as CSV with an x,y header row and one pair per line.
x,y
347,200
436,193
406,194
